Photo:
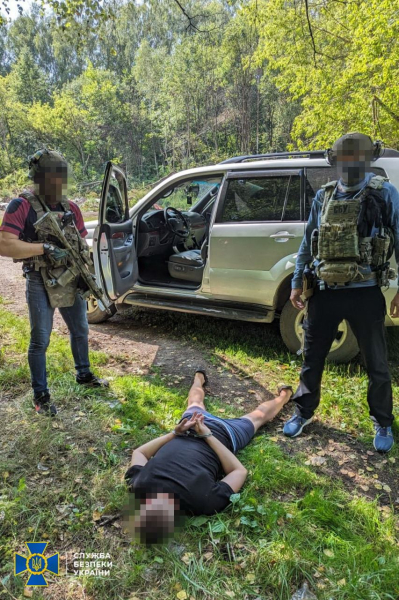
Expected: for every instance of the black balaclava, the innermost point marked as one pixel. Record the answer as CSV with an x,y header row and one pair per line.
x,y
353,153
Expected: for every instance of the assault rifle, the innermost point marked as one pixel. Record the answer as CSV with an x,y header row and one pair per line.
x,y
78,263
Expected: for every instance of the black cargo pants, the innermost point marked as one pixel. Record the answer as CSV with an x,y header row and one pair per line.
x,y
365,309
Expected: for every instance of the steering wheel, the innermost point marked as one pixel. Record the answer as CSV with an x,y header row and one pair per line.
x,y
176,222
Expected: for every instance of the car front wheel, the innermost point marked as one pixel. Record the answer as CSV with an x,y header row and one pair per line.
x,y
343,348
95,314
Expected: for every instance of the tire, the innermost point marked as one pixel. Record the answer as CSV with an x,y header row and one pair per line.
x,y
95,314
343,349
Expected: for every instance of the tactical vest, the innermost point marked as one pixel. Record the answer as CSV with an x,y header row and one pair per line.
x,y
338,246
60,286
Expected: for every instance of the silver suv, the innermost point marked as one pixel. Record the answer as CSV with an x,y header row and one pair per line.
x,y
219,241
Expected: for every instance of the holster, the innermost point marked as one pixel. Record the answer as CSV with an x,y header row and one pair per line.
x,y
309,283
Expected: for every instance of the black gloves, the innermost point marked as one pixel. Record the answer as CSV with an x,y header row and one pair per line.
x,y
55,254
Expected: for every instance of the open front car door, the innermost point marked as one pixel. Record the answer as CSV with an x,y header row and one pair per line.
x,y
114,249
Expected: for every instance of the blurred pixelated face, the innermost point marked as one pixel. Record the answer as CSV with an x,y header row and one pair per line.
x,y
353,159
155,519
52,184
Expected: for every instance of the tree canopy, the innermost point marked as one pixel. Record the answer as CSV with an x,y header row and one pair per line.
x,y
158,85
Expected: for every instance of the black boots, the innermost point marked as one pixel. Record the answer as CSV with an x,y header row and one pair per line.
x,y
43,406
91,380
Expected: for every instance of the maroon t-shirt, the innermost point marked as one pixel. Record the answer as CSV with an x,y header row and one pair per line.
x,y
20,217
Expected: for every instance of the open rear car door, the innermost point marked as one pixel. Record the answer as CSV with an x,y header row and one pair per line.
x,y
114,249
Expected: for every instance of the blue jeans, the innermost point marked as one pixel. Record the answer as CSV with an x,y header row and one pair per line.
x,y
41,322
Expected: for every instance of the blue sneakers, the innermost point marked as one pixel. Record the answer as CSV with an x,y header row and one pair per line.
x,y
383,440
295,424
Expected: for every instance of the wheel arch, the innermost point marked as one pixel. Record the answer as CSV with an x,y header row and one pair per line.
x,y
282,293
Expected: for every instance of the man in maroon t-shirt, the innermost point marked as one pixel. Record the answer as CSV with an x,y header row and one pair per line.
x,y
49,171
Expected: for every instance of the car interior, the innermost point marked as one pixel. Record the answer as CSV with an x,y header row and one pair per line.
x,y
172,239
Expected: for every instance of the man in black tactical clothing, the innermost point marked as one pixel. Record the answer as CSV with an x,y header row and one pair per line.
x,y
351,232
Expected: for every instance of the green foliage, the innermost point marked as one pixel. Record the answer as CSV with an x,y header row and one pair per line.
x,y
143,84
143,87
351,57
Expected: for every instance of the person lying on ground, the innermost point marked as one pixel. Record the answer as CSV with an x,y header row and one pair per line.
x,y
192,470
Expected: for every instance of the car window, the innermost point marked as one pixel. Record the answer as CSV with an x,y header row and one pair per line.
x,y
115,205
318,176
188,193
273,198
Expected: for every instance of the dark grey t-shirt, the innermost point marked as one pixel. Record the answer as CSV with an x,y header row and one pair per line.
x,y
188,468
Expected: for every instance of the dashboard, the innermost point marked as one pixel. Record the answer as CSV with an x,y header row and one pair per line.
x,y
154,237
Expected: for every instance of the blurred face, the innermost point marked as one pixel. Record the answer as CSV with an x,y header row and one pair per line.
x,y
158,515
353,160
52,185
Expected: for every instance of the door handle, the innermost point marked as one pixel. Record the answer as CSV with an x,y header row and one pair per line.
x,y
282,234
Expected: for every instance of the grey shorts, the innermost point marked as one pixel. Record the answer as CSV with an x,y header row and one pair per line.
x,y
239,431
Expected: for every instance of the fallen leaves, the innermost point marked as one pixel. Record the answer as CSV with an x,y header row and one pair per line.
x,y
188,557
328,553
351,474
316,461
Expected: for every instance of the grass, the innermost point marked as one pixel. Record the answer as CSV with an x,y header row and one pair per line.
x,y
290,523
258,351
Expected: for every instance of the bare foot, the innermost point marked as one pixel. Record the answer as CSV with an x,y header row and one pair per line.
x,y
285,395
200,377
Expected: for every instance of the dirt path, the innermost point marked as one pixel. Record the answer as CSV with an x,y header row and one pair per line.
x,y
141,345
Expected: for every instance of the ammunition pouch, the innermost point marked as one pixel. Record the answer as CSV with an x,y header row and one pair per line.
x,y
61,286
314,242
381,245
338,239
366,250
340,273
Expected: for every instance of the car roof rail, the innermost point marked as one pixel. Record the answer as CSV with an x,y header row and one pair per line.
x,y
389,153
295,153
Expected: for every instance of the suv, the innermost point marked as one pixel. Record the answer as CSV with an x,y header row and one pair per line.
x,y
219,241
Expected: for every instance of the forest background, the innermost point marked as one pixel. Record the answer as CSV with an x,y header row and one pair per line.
x,y
161,85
